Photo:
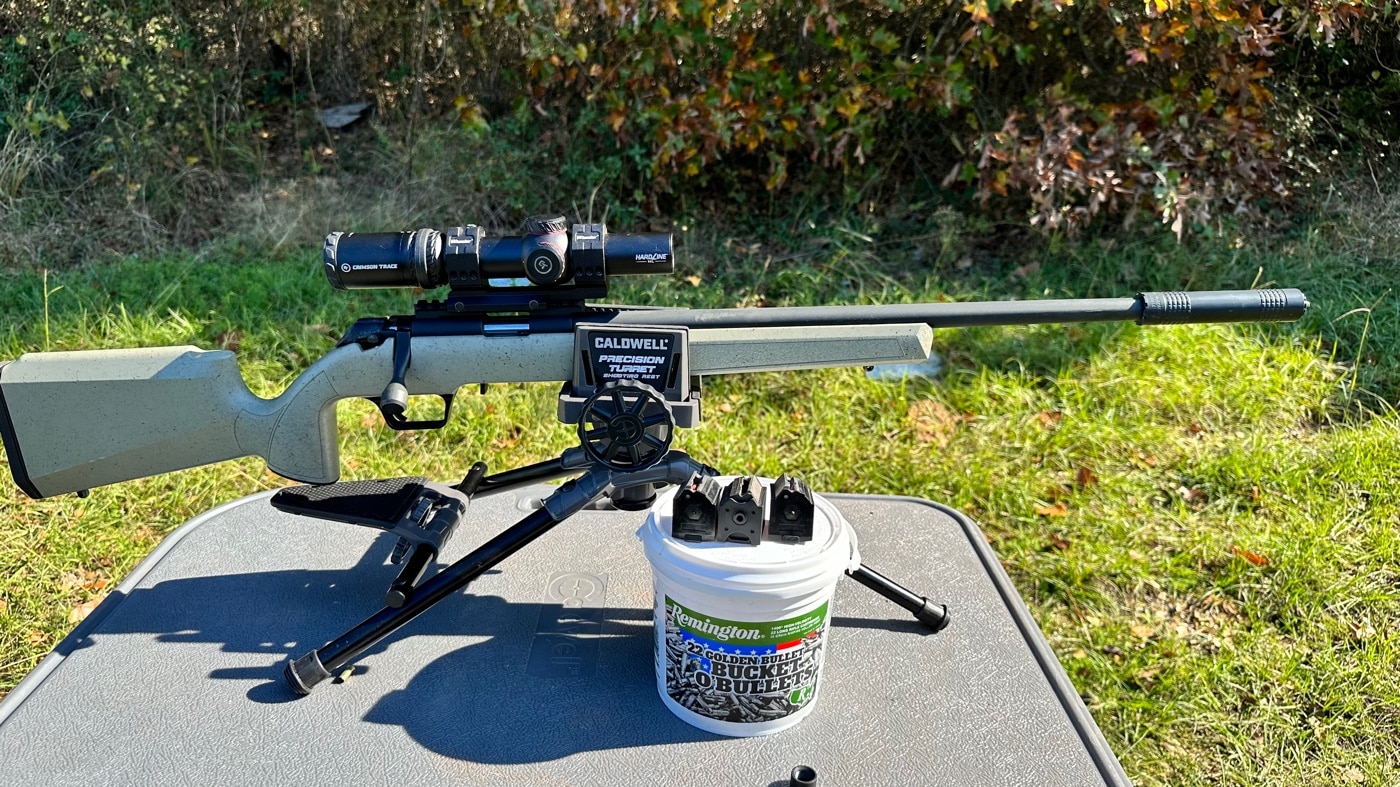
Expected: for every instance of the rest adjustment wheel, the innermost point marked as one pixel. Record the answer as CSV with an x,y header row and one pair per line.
x,y
626,425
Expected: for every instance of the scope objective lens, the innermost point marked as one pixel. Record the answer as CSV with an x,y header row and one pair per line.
x,y
364,260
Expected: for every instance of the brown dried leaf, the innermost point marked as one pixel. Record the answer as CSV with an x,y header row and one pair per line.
x,y
36,636
1085,478
1059,542
510,439
1193,496
1253,557
1362,630
1058,509
931,422
1049,418
1148,676
79,613
1142,630
230,340
1022,271
694,280
1195,428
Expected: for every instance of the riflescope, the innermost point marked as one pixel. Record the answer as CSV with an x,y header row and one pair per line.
x,y
551,254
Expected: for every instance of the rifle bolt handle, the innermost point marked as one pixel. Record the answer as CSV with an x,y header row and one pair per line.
x,y
394,400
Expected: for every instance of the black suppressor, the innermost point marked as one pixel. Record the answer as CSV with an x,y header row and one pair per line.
x,y
551,254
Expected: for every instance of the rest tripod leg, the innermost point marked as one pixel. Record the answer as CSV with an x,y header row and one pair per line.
x,y
304,673
935,616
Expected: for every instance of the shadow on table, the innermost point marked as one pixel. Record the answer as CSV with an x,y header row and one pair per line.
x,y
578,679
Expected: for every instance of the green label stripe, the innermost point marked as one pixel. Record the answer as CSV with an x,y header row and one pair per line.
x,y
745,632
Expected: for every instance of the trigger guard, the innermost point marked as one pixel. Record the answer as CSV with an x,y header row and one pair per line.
x,y
399,423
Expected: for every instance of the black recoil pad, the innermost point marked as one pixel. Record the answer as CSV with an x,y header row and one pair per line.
x,y
1178,308
695,510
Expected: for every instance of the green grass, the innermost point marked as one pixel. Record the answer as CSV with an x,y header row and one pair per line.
x,y
1201,518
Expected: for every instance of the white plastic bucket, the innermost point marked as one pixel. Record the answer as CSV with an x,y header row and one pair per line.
x,y
741,630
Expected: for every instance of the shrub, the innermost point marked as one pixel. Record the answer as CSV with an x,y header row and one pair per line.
x,y
1066,112
1071,109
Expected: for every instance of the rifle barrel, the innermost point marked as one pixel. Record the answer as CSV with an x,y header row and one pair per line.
x,y
1148,308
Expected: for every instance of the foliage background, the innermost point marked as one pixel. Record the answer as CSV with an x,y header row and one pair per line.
x,y
151,117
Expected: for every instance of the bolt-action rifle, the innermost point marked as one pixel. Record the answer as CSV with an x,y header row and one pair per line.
x,y
72,421
517,310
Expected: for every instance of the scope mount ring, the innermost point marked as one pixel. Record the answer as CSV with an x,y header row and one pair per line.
x,y
626,425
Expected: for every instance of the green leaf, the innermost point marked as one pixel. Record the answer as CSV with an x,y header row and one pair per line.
x,y
884,40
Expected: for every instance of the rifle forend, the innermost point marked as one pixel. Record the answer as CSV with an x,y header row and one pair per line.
x,y
72,421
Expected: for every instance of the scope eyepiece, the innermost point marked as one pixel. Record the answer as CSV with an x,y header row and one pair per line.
x,y
553,255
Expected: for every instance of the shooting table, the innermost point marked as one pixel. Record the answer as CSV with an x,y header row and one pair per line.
x,y
540,673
